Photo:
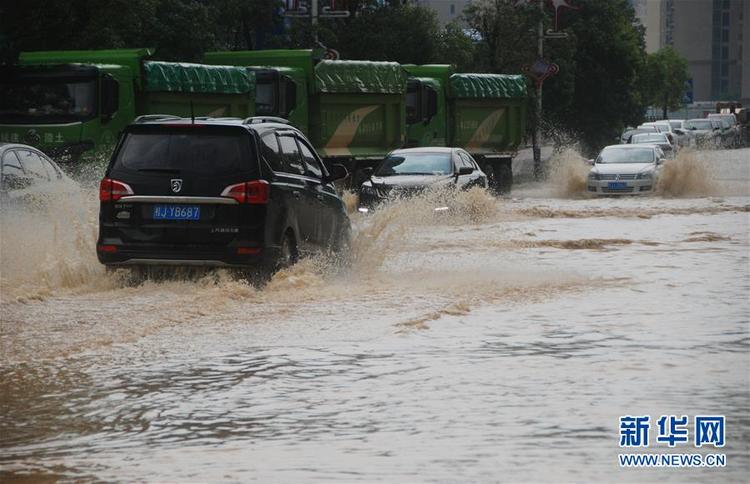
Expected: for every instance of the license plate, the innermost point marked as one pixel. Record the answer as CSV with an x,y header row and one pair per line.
x,y
177,212
616,185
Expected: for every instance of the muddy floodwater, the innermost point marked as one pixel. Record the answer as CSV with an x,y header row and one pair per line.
x,y
499,342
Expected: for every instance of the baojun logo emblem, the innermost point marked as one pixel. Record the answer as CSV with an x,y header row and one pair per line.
x,y
176,185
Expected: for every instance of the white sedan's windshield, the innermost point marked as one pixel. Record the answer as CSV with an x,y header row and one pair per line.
x,y
630,155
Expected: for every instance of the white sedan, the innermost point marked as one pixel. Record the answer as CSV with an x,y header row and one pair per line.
x,y
625,169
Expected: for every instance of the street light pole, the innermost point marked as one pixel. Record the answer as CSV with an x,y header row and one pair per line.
x,y
314,19
536,149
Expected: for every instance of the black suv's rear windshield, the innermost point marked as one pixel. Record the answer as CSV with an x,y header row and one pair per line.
x,y
199,150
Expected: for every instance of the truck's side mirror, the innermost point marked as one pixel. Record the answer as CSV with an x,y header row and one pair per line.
x,y
413,103
431,102
110,97
289,89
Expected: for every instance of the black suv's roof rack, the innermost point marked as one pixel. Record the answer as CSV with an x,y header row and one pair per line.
x,y
145,118
264,119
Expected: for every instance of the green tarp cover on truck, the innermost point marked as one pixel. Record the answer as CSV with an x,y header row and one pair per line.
x,y
360,77
487,86
184,77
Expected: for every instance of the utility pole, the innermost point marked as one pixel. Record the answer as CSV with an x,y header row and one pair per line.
x,y
314,19
536,149
314,13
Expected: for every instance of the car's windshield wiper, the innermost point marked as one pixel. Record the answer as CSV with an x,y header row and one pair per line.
x,y
173,171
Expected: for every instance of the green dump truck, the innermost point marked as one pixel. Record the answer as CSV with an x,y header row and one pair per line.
x,y
483,113
72,102
352,111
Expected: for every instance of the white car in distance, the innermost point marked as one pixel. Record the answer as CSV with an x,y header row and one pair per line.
x,y
659,139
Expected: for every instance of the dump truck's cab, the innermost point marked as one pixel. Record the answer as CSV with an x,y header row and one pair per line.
x,y
427,105
68,103
281,78
65,109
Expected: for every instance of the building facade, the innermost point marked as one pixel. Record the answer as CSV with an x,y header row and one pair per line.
x,y
447,10
711,34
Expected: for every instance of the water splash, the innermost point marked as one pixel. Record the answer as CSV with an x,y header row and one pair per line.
x,y
687,175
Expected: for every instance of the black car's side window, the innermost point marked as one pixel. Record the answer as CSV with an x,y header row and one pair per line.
x,y
312,167
290,152
270,147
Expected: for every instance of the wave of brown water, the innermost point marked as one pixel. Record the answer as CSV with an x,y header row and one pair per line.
x,y
49,250
687,175
627,212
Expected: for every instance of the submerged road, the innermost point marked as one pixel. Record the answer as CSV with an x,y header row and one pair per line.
x,y
499,343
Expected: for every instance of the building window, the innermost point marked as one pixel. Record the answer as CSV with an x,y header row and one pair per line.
x,y
725,53
725,35
453,9
725,18
725,70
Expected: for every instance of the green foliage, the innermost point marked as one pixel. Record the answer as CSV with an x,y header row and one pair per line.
x,y
454,47
598,89
178,29
605,80
403,33
665,79
508,34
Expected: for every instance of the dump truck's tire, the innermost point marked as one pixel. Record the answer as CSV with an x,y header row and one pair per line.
x,y
504,174
499,176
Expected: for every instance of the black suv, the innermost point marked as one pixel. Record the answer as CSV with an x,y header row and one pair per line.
x,y
217,192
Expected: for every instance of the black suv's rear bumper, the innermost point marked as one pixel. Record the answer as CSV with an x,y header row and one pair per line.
x,y
142,255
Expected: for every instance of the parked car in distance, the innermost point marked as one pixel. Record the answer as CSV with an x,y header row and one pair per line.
x,y
412,171
659,139
247,193
28,176
730,128
678,128
649,128
629,132
625,169
663,126
703,132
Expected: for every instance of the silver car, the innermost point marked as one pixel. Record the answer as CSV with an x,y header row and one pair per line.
x,y
659,139
27,175
625,170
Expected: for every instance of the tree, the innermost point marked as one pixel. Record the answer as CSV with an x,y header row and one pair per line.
x,y
666,76
403,33
454,47
598,89
240,23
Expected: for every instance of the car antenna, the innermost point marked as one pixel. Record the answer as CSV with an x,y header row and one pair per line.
x,y
192,112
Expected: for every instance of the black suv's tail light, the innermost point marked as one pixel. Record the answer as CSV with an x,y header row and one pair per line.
x,y
112,190
253,192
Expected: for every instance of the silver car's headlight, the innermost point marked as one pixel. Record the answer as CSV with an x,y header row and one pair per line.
x,y
645,176
594,176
